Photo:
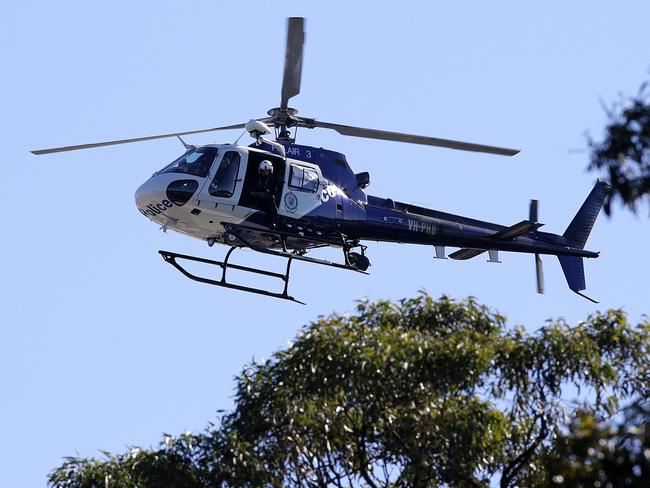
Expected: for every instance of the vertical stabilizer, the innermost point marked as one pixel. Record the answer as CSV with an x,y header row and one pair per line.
x,y
574,272
580,227
577,234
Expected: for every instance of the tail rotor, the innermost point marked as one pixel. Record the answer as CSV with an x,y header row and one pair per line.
x,y
575,236
539,269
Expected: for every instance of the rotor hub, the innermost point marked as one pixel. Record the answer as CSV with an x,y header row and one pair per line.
x,y
283,116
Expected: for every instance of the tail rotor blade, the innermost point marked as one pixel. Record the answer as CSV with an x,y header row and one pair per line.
x,y
539,270
293,59
534,205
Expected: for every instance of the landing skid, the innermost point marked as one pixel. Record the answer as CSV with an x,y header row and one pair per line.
x,y
172,258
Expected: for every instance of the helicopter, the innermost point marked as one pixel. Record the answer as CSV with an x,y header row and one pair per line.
x,y
283,199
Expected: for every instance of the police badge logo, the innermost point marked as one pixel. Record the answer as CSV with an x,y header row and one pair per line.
x,y
291,202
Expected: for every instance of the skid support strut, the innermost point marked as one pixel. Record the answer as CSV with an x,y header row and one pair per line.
x,y
172,258
235,232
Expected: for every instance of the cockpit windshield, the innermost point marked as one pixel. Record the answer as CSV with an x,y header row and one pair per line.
x,y
196,162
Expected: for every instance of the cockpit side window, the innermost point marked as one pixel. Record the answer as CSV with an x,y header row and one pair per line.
x,y
303,178
297,174
224,181
310,181
196,162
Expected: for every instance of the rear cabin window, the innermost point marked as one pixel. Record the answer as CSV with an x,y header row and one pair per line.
x,y
224,181
303,178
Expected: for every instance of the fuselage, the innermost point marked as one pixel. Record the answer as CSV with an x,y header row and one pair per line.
x,y
317,199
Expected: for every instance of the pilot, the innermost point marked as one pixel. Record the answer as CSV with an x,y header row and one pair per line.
x,y
265,171
265,188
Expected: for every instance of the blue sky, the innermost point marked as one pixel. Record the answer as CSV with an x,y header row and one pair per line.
x,y
102,345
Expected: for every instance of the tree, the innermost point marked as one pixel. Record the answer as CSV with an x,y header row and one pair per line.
x,y
594,453
418,393
624,154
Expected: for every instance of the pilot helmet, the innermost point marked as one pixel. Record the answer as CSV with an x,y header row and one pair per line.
x,y
266,168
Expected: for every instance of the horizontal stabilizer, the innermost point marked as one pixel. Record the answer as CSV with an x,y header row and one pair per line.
x,y
516,230
466,253
506,234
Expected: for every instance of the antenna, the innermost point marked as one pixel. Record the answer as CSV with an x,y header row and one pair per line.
x,y
185,145
257,129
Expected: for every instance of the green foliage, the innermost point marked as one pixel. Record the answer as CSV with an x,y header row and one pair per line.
x,y
175,464
419,393
603,454
624,154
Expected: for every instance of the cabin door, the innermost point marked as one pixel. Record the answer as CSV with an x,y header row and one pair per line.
x,y
221,190
301,194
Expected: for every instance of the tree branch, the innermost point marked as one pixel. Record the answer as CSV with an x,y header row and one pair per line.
x,y
513,468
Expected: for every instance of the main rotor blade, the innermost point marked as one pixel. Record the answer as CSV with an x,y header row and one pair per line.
x,y
293,59
136,139
349,130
